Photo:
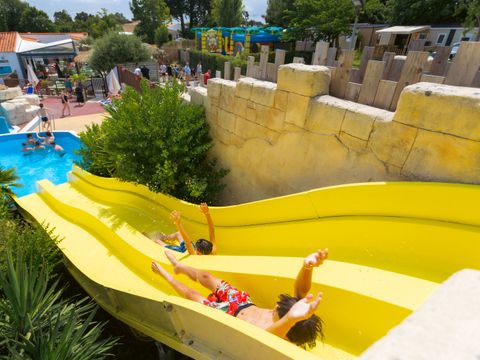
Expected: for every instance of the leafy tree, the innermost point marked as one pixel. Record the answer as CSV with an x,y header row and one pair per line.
x,y
197,11
156,139
10,14
228,13
422,12
34,20
277,11
114,48
320,19
374,12
151,14
102,23
120,18
63,21
471,8
161,35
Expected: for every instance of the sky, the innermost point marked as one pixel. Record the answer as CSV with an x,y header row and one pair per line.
x,y
256,8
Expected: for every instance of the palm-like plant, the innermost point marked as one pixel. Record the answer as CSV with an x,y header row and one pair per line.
x,y
8,179
37,323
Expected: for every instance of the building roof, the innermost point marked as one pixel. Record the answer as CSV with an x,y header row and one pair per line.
x,y
28,46
403,29
129,27
8,41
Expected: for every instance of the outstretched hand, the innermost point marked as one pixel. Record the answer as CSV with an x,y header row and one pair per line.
x,y
175,216
204,208
304,308
316,259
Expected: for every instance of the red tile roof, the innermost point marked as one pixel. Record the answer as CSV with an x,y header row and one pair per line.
x,y
8,41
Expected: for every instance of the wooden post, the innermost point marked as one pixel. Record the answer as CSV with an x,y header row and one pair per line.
x,y
251,67
237,73
263,61
321,53
298,60
464,68
218,74
226,70
342,74
373,75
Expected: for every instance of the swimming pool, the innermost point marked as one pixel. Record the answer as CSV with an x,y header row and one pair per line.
x,y
39,164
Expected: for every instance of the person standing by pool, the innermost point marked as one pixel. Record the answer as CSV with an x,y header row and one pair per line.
x,y
79,93
187,73
43,115
68,85
64,98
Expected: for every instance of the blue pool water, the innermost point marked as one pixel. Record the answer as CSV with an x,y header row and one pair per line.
x,y
39,164
5,127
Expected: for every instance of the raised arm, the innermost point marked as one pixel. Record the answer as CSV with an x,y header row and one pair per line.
x,y
177,220
304,277
301,310
211,228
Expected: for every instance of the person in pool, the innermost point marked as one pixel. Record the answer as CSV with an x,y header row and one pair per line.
x,y
201,247
292,319
49,140
31,140
28,146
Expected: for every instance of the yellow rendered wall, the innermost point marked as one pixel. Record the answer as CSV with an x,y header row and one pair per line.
x,y
292,136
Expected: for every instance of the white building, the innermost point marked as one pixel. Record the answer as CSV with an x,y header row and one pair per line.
x,y
19,49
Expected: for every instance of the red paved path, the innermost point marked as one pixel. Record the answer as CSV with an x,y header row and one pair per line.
x,y
55,104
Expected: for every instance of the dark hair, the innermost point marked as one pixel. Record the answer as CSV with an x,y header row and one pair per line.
x,y
29,136
24,144
204,247
48,133
41,105
37,143
304,333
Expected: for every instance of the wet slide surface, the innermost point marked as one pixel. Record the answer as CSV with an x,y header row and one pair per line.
x,y
391,244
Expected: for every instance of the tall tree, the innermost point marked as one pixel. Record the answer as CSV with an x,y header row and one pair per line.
x,y
10,13
374,12
471,9
422,12
321,19
114,48
102,23
228,13
34,20
63,21
151,14
197,11
277,12
120,18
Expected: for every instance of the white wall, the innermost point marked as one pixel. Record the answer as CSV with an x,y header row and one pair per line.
x,y
13,62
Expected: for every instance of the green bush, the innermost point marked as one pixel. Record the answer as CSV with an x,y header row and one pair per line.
x,y
156,139
216,62
161,35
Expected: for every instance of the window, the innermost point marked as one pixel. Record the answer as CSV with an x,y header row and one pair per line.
x,y
422,36
441,39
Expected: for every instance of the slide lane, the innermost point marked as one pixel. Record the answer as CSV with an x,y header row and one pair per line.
x,y
362,302
382,225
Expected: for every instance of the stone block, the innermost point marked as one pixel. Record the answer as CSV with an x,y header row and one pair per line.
x,y
244,88
391,141
249,130
454,305
198,95
326,114
263,92
31,99
352,142
225,137
227,95
442,157
358,122
212,114
442,108
251,114
226,120
270,117
214,87
297,109
10,93
306,80
240,107
281,98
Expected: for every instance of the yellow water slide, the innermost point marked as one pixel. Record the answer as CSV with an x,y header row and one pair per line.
x,y
391,244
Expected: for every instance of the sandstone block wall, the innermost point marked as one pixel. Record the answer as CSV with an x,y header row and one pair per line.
x,y
278,139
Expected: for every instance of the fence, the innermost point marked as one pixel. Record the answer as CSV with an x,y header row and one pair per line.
x,y
379,82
